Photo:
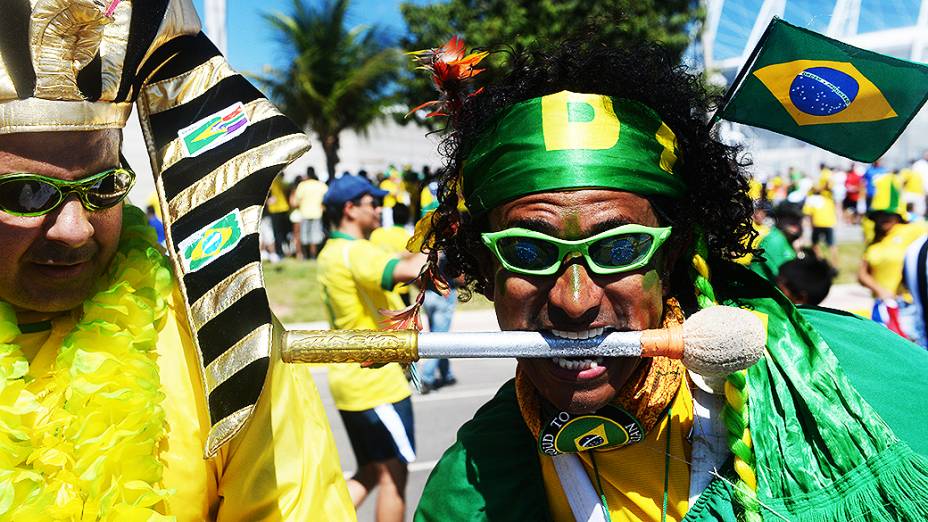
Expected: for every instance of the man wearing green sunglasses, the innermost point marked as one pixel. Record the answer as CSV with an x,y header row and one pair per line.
x,y
585,193
58,232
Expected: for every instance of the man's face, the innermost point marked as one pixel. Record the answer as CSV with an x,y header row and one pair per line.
x,y
885,221
575,300
367,214
50,263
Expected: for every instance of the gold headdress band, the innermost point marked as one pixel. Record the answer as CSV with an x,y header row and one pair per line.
x,y
215,145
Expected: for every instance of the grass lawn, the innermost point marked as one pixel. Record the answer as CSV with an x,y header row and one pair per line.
x,y
849,256
296,298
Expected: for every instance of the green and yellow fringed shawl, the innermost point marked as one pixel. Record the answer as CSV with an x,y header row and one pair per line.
x,y
820,451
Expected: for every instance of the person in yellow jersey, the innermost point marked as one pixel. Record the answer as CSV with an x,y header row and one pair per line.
x,y
584,193
308,199
126,394
357,279
820,208
881,269
913,192
393,239
278,211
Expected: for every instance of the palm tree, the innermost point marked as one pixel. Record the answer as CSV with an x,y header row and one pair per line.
x,y
339,78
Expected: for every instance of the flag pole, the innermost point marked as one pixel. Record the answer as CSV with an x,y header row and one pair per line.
x,y
743,72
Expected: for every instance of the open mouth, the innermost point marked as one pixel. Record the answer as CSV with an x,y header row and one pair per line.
x,y
577,364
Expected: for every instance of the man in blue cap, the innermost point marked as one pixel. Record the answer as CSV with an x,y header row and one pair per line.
x,y
357,279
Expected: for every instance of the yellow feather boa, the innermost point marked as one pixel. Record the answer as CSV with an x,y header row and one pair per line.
x,y
81,442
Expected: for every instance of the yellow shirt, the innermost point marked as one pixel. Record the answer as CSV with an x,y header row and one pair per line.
x,y
277,201
821,208
392,239
357,279
887,256
755,188
912,182
391,186
283,466
632,476
309,194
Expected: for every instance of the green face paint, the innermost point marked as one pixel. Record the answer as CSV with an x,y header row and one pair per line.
x,y
651,281
575,282
572,225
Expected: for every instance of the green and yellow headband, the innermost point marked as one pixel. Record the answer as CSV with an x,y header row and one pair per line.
x,y
569,141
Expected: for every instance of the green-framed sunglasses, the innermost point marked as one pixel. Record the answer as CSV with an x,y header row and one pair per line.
x,y
624,248
29,195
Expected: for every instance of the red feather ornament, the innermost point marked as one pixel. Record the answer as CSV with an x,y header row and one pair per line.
x,y
452,69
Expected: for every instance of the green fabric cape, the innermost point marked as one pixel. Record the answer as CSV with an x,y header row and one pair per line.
x,y
492,472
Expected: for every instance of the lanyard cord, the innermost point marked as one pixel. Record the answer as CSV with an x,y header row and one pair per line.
x,y
599,485
666,475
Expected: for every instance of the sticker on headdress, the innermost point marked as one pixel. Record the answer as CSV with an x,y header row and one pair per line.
x,y
211,242
214,130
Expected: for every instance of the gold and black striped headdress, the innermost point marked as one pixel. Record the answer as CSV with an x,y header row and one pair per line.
x,y
215,144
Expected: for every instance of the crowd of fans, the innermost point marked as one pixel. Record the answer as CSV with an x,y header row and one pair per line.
x,y
796,215
294,225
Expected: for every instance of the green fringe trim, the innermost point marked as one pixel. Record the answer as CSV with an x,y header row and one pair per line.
x,y
892,486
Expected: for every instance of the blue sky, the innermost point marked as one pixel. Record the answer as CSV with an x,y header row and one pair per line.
x,y
251,44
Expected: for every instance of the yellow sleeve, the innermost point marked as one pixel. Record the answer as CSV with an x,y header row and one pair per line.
x,y
371,266
284,466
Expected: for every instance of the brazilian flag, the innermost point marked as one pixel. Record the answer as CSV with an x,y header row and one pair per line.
x,y
847,100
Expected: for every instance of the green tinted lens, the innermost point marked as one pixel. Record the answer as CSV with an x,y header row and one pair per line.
x,y
28,196
621,251
110,189
527,253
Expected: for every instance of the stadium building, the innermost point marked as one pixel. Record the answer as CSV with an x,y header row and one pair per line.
x,y
732,28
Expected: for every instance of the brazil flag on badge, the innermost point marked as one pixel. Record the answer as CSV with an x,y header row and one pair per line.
x,y
841,98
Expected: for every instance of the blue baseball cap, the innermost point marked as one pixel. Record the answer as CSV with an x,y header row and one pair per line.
x,y
347,188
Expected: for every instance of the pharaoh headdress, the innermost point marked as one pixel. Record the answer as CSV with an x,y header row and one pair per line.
x,y
215,145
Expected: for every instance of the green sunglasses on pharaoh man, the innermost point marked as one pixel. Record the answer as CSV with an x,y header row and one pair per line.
x,y
622,249
29,195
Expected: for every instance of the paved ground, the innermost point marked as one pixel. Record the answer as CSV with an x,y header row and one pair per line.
x,y
439,414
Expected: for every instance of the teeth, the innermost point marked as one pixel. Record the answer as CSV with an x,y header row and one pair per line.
x,y
574,364
582,334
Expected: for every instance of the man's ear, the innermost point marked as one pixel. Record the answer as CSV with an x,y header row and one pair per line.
x,y
348,211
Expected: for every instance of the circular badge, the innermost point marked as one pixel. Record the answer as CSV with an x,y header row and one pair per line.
x,y
609,427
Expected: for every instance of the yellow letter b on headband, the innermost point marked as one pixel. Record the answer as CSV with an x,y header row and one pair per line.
x,y
578,121
567,141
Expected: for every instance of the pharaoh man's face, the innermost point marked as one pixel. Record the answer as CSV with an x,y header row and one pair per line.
x,y
50,263
575,302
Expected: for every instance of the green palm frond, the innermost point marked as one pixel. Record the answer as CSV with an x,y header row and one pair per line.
x,y
338,77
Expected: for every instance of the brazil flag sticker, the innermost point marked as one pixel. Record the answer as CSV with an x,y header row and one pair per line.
x,y
211,242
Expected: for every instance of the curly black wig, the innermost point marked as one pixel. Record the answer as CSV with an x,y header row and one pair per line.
x,y
716,199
